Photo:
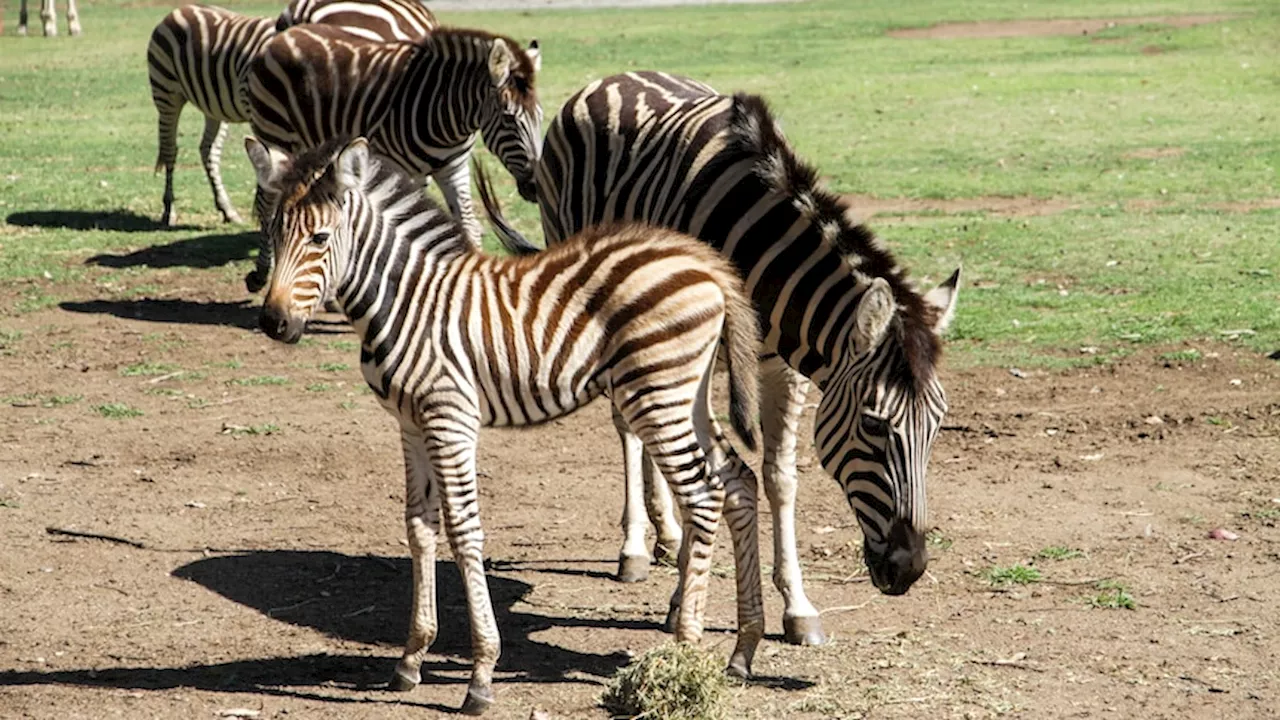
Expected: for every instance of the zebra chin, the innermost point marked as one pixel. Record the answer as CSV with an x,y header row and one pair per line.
x,y
280,324
896,566
527,189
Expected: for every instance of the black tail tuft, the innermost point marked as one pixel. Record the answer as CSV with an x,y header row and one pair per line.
x,y
511,239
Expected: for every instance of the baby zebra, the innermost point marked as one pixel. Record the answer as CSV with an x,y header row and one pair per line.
x,y
453,339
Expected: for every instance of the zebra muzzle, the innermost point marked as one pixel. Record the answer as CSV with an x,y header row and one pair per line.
x,y
902,561
280,325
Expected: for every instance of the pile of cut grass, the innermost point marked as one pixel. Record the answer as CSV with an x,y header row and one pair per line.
x,y
673,681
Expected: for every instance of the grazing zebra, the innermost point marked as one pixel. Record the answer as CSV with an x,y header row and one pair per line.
x,y
49,15
835,307
200,54
420,104
453,339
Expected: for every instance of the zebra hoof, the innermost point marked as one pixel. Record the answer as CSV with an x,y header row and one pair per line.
x,y
254,281
633,568
803,630
232,217
169,219
477,702
738,668
666,554
402,683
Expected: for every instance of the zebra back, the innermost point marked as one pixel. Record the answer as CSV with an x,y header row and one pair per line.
x,y
384,20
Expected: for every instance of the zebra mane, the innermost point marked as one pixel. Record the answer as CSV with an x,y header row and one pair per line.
x,y
313,175
754,133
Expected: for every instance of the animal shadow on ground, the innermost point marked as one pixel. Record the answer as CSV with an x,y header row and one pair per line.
x,y
116,220
364,599
205,251
237,313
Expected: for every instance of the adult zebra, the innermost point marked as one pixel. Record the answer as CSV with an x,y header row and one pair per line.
x,y
835,307
453,338
200,54
49,18
421,104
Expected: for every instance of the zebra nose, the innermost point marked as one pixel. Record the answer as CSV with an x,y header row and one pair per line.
x,y
895,568
277,325
527,190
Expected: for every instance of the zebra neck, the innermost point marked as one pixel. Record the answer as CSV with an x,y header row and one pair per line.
x,y
444,88
396,245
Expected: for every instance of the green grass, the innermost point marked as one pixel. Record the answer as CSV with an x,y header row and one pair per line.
x,y
56,401
333,367
319,387
1113,595
1012,575
265,429
147,368
1059,552
1146,245
258,380
117,411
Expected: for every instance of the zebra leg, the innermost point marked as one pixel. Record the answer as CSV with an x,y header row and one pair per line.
x,y
22,19
455,185
215,132
49,17
781,405
633,561
422,522
657,500
169,108
263,206
453,464
73,18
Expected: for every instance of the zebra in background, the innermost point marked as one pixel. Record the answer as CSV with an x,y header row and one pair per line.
x,y
453,339
835,307
420,104
200,54
49,16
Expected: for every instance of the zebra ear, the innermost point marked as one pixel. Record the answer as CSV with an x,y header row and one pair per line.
x,y
353,164
500,60
943,299
872,317
268,162
535,55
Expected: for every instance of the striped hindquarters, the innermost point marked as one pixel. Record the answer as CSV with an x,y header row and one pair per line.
x,y
200,54
385,20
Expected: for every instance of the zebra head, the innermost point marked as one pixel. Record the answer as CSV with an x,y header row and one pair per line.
x,y
511,118
306,228
880,411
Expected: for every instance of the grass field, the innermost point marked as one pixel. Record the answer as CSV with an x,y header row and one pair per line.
x,y
1155,148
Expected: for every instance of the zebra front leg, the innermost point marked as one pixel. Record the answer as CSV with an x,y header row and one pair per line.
x,y
781,405
455,185
73,18
22,19
215,132
422,522
49,17
454,468
263,206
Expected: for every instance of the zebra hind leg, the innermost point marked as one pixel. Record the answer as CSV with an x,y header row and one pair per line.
x,y
73,18
633,560
422,522
215,132
22,19
49,18
657,500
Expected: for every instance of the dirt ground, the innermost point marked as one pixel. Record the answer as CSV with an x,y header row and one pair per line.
x,y
272,573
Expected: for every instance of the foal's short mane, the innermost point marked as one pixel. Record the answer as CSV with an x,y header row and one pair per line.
x,y
755,133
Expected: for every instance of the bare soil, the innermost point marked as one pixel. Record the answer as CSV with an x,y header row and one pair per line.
x,y
273,573
987,29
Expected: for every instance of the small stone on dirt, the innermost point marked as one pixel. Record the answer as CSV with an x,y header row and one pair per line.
x,y
1237,382
539,714
1222,534
239,713
1017,373
1154,420
195,504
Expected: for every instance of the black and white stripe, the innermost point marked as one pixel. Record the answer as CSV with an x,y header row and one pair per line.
x,y
420,104
833,304
200,54
453,339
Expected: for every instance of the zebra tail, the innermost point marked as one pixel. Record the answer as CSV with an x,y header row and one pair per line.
x,y
742,342
511,239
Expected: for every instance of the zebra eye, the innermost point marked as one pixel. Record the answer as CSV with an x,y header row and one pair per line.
x,y
320,238
873,425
